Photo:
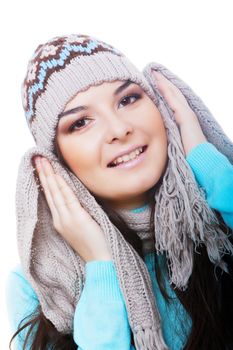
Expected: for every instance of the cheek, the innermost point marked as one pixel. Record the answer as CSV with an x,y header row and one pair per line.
x,y
79,155
157,133
152,122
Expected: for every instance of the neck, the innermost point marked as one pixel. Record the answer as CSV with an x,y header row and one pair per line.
x,y
138,219
132,203
139,209
137,215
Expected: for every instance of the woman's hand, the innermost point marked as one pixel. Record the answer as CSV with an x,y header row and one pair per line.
x,y
175,99
186,119
70,220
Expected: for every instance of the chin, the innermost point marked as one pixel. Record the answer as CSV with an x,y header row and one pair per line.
x,y
132,192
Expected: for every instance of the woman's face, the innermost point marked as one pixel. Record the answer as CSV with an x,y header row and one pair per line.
x,y
113,122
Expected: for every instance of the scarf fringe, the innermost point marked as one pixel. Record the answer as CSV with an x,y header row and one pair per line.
x,y
149,339
183,219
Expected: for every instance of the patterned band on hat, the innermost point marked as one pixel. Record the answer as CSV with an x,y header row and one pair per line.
x,y
52,57
63,67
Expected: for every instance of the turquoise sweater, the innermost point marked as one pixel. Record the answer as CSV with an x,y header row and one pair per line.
x,y
100,319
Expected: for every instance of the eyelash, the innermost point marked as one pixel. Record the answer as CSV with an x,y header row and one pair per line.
x,y
71,128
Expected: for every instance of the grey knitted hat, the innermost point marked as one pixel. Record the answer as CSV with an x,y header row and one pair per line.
x,y
58,70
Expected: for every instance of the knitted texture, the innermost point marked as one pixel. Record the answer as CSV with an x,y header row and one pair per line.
x,y
139,221
61,68
58,70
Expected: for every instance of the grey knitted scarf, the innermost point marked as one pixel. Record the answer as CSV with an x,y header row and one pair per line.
x,y
139,221
57,71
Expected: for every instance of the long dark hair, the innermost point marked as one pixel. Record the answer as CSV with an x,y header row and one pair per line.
x,y
207,300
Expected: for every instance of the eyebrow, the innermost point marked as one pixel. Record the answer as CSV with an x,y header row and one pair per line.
x,y
81,108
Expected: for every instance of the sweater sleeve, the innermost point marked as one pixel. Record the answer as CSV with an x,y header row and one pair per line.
x,y
100,320
214,173
21,302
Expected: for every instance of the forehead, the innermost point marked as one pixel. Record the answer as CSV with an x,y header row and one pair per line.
x,y
105,88
83,99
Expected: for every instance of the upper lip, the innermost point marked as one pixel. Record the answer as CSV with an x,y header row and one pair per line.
x,y
126,151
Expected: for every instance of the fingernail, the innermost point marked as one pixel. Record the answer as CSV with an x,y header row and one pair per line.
x,y
156,74
44,162
37,162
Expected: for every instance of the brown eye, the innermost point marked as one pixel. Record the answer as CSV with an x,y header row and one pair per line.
x,y
128,97
78,123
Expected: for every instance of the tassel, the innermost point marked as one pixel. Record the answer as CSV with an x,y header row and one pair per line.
x,y
149,339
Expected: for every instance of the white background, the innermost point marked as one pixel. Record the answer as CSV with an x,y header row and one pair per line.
x,y
191,38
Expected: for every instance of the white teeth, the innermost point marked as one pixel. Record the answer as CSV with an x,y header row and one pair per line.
x,y
128,157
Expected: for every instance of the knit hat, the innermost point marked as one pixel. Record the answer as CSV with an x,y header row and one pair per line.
x,y
63,67
57,71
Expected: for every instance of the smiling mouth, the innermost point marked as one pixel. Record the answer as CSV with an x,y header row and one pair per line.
x,y
112,165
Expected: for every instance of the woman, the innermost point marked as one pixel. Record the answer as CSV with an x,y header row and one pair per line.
x,y
128,155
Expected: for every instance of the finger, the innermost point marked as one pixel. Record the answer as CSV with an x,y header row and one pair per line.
x,y
163,80
62,202
171,92
47,194
70,198
157,74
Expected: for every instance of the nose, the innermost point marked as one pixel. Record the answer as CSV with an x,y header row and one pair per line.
x,y
117,128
